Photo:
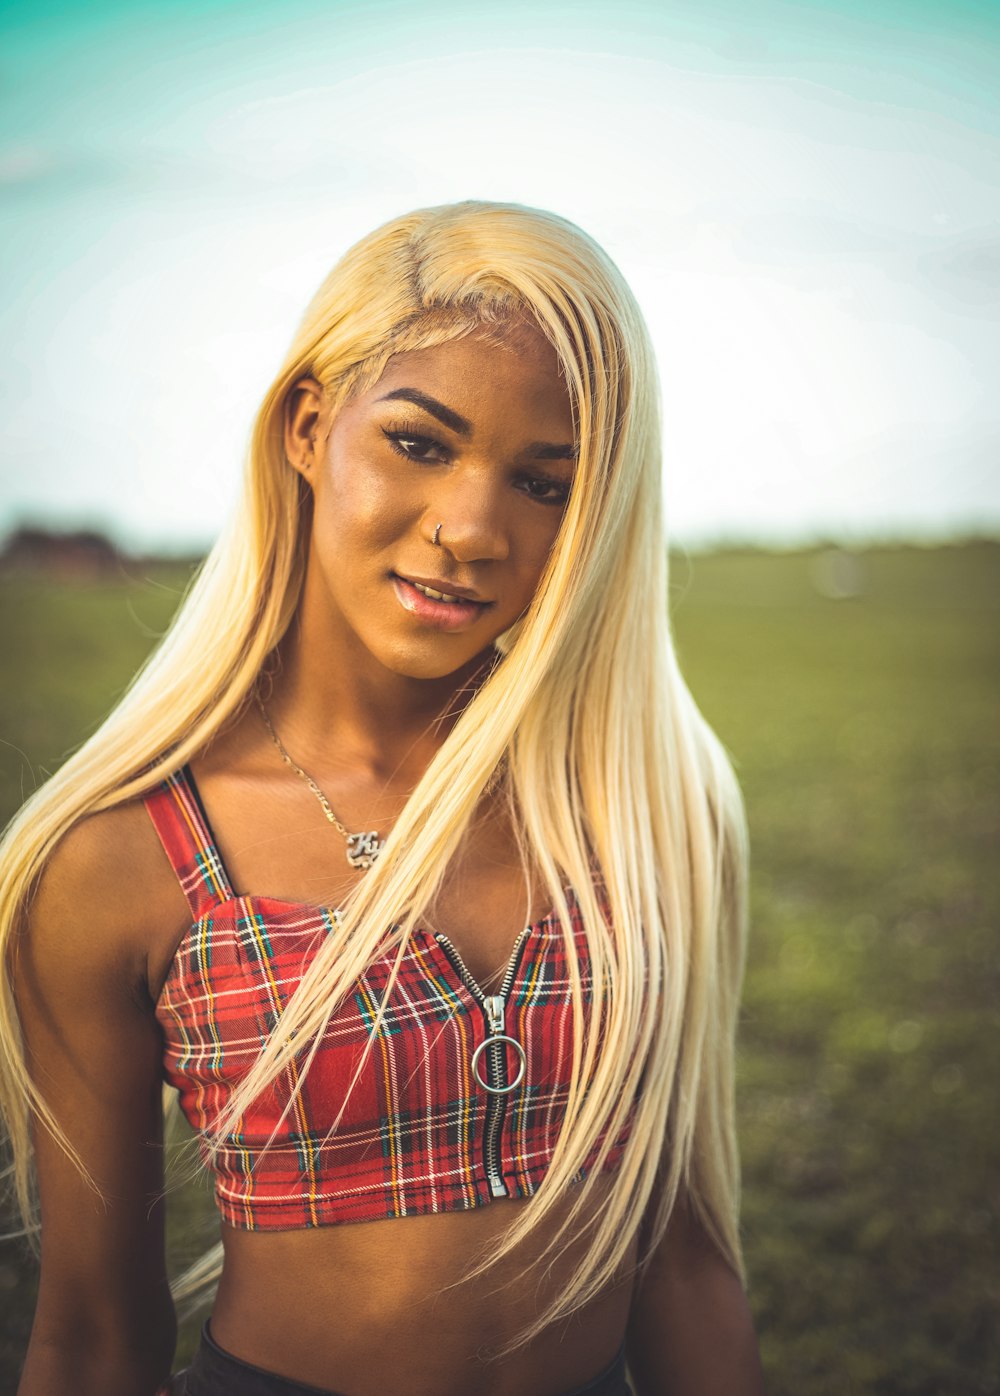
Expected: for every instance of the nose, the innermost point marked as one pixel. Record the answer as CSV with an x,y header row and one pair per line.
x,y
472,519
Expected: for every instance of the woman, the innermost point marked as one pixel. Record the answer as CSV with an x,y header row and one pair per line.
x,y
411,862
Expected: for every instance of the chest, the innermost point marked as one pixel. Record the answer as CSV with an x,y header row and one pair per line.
x,y
275,842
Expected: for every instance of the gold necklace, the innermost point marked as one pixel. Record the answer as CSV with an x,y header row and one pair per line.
x,y
362,849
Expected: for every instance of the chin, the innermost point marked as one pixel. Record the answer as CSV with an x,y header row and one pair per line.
x,y
436,662
407,664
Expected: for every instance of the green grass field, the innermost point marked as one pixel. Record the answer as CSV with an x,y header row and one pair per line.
x,y
865,731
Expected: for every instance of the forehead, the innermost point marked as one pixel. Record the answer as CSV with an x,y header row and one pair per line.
x,y
518,361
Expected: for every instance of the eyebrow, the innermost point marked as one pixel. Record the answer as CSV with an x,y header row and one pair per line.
x,y
430,404
537,450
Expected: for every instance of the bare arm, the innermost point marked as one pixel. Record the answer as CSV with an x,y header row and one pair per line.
x,y
690,1331
104,1321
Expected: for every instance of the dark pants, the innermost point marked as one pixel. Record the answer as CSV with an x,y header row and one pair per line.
x,y
215,1372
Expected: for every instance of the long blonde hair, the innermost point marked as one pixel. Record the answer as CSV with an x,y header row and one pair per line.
x,y
608,763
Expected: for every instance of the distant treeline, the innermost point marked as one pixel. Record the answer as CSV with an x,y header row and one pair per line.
x,y
82,554
88,553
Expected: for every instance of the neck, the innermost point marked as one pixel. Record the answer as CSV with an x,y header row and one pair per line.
x,y
338,708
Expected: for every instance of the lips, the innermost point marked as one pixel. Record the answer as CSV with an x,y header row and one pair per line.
x,y
439,615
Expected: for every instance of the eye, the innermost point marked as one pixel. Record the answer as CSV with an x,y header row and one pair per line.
x,y
546,490
412,446
424,450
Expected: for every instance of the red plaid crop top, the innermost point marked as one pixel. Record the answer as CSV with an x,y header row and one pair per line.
x,y
460,1101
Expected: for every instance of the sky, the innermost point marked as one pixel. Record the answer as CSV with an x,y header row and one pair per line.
x,y
805,198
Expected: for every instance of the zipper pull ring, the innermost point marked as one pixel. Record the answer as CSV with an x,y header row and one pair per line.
x,y
494,1006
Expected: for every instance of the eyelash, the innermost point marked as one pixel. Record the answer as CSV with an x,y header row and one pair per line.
x,y
395,436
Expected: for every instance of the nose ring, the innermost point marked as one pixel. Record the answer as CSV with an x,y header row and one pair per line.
x,y
436,540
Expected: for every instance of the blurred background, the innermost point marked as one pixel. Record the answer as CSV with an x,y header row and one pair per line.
x,y
806,200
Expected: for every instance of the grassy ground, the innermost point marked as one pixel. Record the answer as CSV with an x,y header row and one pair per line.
x,y
865,732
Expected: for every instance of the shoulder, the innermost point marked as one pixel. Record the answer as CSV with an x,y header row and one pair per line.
x,y
107,901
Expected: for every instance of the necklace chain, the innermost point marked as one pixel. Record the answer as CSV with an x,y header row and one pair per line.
x,y
362,849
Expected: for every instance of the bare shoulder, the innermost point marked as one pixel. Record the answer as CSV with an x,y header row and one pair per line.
x,y
108,902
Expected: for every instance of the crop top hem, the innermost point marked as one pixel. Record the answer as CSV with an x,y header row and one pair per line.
x,y
253,1213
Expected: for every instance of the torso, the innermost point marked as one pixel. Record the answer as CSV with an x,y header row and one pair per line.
x,y
358,1309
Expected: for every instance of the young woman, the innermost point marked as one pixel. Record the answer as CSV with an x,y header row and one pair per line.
x,y
411,864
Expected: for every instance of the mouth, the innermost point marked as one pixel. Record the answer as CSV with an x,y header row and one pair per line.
x,y
440,609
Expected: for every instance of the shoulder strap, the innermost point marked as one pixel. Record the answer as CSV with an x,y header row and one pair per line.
x,y
179,819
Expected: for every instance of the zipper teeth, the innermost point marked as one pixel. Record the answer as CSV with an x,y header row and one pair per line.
x,y
496,1106
493,1132
467,976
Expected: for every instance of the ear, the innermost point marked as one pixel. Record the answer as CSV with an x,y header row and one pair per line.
x,y
304,411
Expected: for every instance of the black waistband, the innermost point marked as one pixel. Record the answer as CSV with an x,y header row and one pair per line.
x,y
216,1372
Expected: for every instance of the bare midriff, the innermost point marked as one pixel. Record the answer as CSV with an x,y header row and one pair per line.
x,y
358,1308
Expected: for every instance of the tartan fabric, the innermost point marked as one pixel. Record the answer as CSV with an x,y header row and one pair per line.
x,y
411,1139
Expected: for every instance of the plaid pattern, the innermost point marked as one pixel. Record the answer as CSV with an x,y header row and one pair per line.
x,y
411,1139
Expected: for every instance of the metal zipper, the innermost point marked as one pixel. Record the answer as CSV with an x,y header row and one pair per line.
x,y
496,1084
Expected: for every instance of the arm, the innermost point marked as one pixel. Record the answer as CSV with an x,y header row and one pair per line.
x,y
690,1332
104,1321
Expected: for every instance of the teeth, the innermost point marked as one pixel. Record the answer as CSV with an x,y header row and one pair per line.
x,y
436,595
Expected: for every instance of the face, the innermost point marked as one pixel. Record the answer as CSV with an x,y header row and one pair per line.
x,y
471,435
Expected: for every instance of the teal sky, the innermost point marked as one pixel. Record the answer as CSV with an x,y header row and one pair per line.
x,y
805,197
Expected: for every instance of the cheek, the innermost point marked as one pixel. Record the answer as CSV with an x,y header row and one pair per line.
x,y
536,548
360,508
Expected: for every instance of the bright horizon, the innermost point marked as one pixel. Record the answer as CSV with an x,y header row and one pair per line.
x,y
804,198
